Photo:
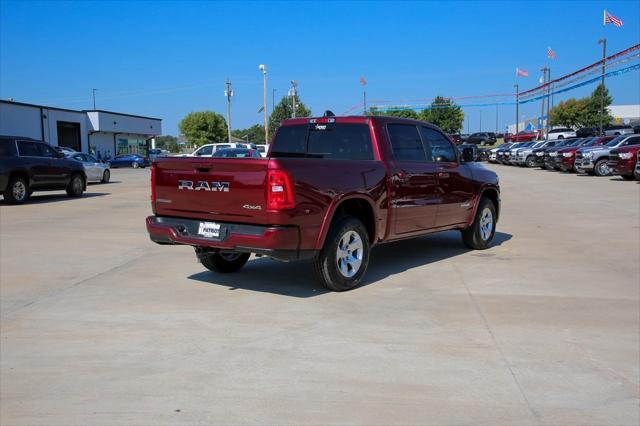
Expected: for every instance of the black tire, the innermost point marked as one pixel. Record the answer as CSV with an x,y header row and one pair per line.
x,y
223,262
561,137
478,236
135,165
598,168
326,263
17,191
106,176
530,161
75,187
628,177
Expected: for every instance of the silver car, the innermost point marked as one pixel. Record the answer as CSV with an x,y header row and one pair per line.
x,y
96,170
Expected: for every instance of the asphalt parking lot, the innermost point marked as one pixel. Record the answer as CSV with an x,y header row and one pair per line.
x,y
100,326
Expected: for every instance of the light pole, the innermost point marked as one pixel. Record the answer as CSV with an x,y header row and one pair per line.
x,y
548,126
544,80
94,98
517,105
273,97
293,92
603,42
496,118
263,68
229,94
480,120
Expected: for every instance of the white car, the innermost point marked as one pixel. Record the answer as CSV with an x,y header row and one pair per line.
x,y
562,133
262,149
209,149
95,170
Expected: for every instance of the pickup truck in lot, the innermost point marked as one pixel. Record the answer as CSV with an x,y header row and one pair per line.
x,y
329,189
594,160
622,161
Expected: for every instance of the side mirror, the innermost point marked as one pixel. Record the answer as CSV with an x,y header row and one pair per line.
x,y
467,155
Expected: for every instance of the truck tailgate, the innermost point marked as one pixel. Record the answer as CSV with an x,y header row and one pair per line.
x,y
225,189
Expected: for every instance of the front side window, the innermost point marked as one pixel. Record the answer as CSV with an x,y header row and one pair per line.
x,y
406,143
439,148
28,149
47,151
634,140
205,150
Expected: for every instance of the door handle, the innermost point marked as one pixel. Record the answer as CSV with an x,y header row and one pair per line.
x,y
443,175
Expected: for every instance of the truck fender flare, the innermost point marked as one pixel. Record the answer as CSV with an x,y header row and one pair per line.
x,y
331,211
476,202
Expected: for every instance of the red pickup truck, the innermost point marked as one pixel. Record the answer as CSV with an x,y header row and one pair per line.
x,y
329,189
521,136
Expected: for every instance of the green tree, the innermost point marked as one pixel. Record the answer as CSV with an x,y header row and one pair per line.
x,y
583,112
163,142
202,127
403,113
253,134
284,110
445,114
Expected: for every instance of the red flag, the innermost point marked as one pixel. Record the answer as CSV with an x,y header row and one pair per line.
x,y
610,19
521,73
550,53
363,82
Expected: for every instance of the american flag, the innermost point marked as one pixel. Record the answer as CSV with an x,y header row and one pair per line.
x,y
550,53
610,19
521,73
363,82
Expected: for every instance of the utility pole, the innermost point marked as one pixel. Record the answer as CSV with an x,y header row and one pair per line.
x,y
544,80
517,105
94,98
496,118
273,98
229,94
293,93
603,42
548,101
263,68
480,120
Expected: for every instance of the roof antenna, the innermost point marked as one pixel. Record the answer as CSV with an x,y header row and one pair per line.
x,y
329,113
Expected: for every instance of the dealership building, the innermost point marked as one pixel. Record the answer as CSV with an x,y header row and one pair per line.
x,y
101,132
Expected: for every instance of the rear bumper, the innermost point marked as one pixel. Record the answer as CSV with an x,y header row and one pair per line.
x,y
280,242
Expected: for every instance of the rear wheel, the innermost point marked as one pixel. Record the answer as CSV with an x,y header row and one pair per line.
x,y
223,262
531,161
106,176
344,258
75,188
17,191
601,168
480,234
135,165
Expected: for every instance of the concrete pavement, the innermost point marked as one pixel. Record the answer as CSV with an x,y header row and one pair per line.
x,y
100,326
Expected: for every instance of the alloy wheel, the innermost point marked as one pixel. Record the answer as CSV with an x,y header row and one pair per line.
x,y
349,254
486,224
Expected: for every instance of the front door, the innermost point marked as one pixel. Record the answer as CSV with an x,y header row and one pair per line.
x,y
415,195
455,181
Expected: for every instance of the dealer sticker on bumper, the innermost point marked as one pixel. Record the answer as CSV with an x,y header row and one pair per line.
x,y
209,229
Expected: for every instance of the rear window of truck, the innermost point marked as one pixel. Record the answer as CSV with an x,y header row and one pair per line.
x,y
333,141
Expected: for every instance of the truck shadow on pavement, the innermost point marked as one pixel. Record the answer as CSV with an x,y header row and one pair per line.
x,y
54,198
296,279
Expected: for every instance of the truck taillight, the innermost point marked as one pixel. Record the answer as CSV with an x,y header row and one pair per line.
x,y
153,183
279,191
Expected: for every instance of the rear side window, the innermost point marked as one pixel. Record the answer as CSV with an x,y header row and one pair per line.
x,y
406,143
7,148
28,149
438,146
207,150
333,141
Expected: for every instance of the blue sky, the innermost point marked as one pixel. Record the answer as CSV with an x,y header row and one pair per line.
x,y
165,59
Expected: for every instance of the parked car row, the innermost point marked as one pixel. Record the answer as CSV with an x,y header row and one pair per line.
x,y
210,149
598,155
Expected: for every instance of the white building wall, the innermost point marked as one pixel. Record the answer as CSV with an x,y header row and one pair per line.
x,y
52,116
19,120
102,142
106,122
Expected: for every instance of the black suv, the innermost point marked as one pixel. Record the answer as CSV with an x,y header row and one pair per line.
x,y
28,165
482,138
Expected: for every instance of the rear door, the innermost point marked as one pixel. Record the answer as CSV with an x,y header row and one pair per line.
x,y
415,193
37,167
455,182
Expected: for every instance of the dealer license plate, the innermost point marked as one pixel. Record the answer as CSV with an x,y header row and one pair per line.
x,y
209,229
